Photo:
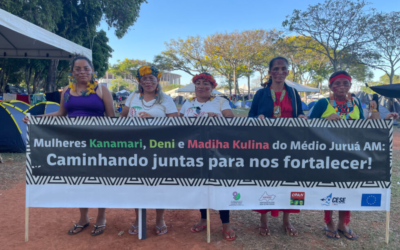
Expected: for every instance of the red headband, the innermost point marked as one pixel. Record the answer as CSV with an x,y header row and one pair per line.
x,y
206,77
339,76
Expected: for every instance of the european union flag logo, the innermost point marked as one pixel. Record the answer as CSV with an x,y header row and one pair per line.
x,y
371,200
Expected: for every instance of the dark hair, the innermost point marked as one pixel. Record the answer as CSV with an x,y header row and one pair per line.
x,y
271,63
375,98
340,72
80,58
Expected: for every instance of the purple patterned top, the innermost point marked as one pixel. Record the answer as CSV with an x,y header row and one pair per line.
x,y
91,105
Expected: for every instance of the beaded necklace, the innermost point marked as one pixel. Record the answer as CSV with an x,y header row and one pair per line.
x,y
342,109
147,107
277,106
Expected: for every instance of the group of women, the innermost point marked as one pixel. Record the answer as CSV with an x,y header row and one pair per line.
x,y
83,97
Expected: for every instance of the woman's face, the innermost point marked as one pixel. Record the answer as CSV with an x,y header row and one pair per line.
x,y
82,71
149,83
203,88
340,87
279,71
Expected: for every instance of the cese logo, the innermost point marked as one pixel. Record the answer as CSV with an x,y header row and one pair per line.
x,y
339,200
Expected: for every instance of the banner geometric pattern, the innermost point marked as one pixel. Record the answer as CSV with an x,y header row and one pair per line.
x,y
203,121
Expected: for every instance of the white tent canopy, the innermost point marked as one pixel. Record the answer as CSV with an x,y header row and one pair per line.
x,y
123,92
172,92
317,96
190,89
243,88
297,86
22,39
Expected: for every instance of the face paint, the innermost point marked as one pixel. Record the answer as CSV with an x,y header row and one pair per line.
x,y
334,88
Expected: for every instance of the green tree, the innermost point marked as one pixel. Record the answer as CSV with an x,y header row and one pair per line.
x,y
228,47
187,55
385,55
101,52
383,80
307,65
257,45
341,27
120,84
220,67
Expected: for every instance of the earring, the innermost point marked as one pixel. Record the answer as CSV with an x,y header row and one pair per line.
x,y
349,102
141,92
156,93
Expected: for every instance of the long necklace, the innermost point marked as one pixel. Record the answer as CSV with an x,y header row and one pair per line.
x,y
146,107
277,107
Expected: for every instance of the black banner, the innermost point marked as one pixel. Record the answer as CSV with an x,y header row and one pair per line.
x,y
214,148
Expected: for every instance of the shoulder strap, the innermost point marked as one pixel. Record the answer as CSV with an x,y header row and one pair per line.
x,y
101,91
130,101
221,102
295,101
356,101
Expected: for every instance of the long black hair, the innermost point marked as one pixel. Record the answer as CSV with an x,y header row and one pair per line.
x,y
80,58
271,64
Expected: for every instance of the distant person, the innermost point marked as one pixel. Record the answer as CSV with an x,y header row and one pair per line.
x,y
277,100
84,97
149,101
340,105
206,105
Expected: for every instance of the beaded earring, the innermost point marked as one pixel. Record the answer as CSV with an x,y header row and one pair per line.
x,y
156,92
349,102
141,92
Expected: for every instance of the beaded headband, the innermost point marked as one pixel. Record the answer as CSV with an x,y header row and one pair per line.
x,y
145,70
339,76
205,76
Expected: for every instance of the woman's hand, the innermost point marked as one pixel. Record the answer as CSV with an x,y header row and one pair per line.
x,y
302,117
392,115
144,115
261,117
25,119
333,117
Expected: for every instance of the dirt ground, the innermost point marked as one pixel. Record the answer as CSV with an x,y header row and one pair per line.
x,y
48,226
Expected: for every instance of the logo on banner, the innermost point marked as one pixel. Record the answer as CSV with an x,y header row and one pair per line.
x,y
267,199
371,200
236,197
297,198
328,200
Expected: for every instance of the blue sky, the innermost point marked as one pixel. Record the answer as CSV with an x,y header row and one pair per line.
x,y
163,20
